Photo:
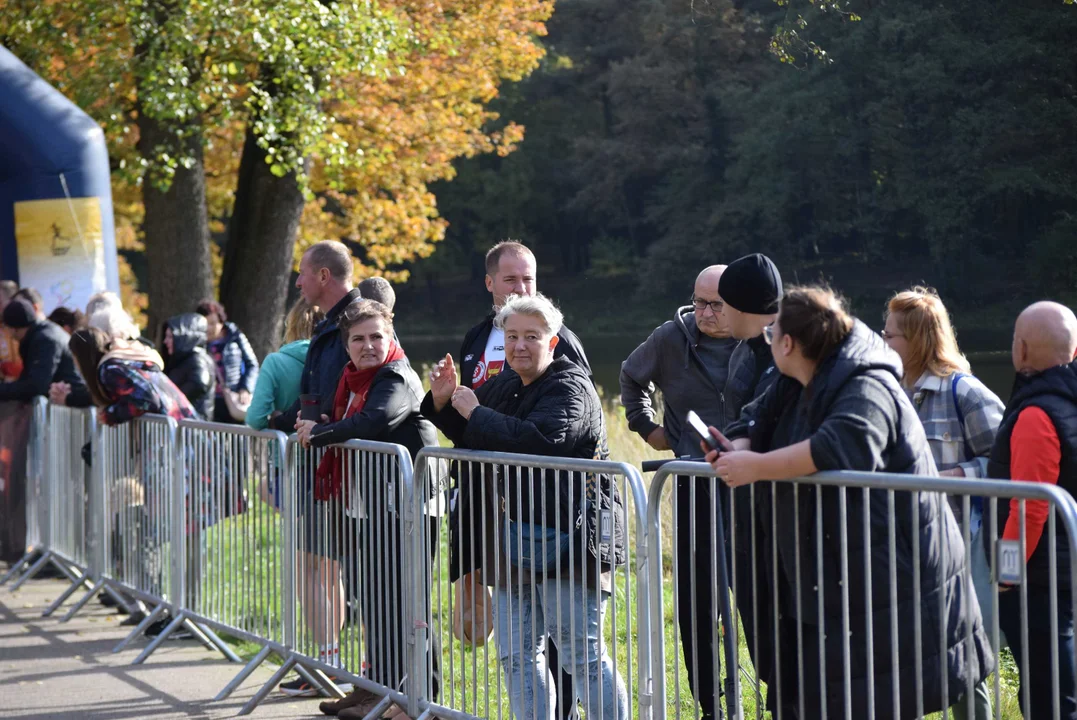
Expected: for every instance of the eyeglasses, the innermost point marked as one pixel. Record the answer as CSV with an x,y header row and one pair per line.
x,y
890,336
768,334
700,305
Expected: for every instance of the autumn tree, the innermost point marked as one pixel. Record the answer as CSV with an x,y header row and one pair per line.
x,y
260,119
390,135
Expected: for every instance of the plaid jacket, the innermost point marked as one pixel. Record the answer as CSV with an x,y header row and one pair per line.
x,y
952,443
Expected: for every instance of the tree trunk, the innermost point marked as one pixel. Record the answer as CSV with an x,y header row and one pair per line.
x,y
259,255
176,228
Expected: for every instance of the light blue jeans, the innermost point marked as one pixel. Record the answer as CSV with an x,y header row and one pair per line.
x,y
571,614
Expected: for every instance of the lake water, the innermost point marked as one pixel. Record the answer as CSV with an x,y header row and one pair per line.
x,y
607,352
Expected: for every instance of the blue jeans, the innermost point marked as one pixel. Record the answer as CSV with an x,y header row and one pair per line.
x,y
572,615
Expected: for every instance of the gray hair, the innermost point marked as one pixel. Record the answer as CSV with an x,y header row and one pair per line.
x,y
379,289
537,305
101,301
114,322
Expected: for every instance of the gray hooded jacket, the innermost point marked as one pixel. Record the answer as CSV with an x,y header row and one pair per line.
x,y
670,360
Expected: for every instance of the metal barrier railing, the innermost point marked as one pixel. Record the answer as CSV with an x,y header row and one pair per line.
x,y
132,500
68,479
354,567
227,533
813,538
37,520
522,541
345,539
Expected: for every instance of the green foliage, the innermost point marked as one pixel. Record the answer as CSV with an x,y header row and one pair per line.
x,y
937,138
194,67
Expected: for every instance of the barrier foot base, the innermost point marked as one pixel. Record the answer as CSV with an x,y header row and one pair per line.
x,y
34,570
218,644
79,582
146,622
152,647
268,687
245,673
98,586
17,567
320,680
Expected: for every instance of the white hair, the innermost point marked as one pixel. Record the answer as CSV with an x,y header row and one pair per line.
x,y
115,322
537,305
102,301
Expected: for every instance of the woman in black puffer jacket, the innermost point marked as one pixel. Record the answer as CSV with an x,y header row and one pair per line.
x,y
558,534
187,363
838,405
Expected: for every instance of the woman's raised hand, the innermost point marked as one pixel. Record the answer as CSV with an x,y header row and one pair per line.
x,y
443,382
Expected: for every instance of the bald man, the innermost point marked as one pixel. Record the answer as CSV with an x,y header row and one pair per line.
x,y
1037,442
687,358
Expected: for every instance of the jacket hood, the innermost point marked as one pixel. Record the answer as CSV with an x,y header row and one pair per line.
x,y
188,333
685,318
863,351
1060,381
296,350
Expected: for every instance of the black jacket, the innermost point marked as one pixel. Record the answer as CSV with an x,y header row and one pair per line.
x,y
558,415
390,414
857,417
670,361
1055,392
189,366
326,359
751,372
46,359
474,346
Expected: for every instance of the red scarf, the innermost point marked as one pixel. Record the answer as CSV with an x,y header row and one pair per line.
x,y
329,477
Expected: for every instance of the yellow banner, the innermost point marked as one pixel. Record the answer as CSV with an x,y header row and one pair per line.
x,y
60,249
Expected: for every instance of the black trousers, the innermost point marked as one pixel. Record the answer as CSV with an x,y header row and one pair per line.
x,y
377,577
696,542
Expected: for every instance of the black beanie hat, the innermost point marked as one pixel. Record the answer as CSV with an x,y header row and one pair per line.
x,y
19,314
752,285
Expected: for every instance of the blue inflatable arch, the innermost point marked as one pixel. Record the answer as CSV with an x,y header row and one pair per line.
x,y
49,150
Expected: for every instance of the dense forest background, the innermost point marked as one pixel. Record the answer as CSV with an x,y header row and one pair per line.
x,y
926,142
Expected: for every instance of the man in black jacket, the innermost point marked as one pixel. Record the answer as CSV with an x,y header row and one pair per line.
x,y
43,348
510,270
752,289
325,280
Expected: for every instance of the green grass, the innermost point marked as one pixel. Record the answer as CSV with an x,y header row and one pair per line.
x,y
243,557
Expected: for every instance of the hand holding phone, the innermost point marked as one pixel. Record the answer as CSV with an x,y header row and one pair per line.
x,y
714,441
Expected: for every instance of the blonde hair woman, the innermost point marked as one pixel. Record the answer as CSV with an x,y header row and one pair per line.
x,y
960,417
277,387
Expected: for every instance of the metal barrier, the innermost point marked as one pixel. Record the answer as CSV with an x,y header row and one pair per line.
x,y
855,551
68,480
37,520
539,580
228,554
133,497
345,540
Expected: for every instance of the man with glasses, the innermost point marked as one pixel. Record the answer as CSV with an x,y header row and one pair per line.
x,y
687,358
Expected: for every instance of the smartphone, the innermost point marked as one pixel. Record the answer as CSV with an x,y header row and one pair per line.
x,y
700,429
